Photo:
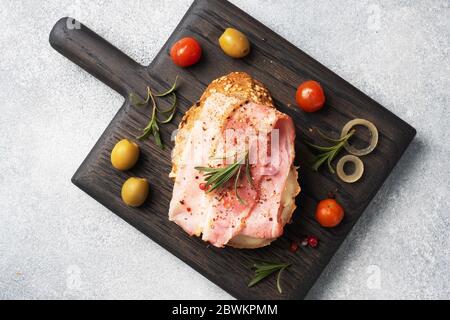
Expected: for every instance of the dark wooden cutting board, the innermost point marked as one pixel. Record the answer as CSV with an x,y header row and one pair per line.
x,y
281,67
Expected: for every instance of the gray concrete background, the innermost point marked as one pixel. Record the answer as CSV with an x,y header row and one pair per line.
x,y
56,242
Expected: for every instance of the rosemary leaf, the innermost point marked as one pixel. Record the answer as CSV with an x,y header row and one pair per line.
x,y
236,181
172,89
319,160
326,137
259,277
206,169
157,137
137,102
172,107
330,158
247,171
278,279
320,148
144,135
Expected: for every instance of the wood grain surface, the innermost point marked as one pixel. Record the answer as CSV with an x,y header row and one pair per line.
x,y
281,67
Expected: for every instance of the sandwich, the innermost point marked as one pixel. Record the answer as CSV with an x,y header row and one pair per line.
x,y
235,182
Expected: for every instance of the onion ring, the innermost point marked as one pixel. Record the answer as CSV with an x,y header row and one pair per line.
x,y
356,175
373,132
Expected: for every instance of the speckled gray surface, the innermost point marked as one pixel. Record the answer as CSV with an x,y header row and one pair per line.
x,y
56,242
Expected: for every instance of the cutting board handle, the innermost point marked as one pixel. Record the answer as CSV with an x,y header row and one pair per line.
x,y
97,56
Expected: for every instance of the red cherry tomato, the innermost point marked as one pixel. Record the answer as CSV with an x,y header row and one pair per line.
x,y
186,52
310,96
329,213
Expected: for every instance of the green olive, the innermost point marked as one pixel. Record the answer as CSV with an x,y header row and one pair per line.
x,y
234,43
135,191
124,155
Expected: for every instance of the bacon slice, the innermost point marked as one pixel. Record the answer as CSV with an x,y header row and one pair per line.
x,y
234,113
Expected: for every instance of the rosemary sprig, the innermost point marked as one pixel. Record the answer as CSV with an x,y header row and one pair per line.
x,y
137,102
265,269
216,178
327,154
152,128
